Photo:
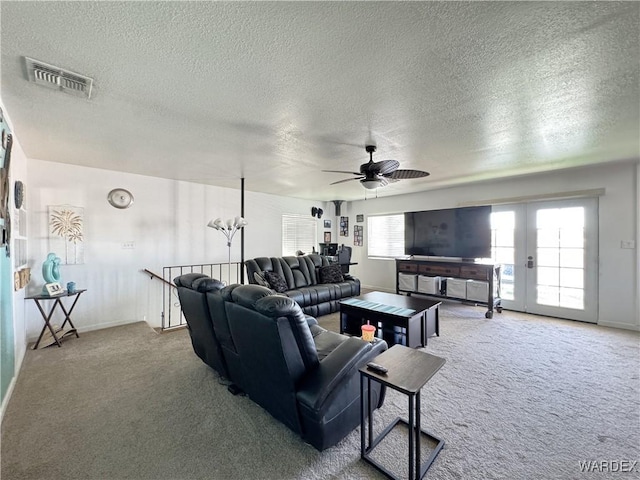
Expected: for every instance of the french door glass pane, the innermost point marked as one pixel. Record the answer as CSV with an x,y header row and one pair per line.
x,y
571,217
560,257
503,255
548,219
572,257
572,238
504,238
572,277
572,298
548,295
548,276
549,257
502,249
503,220
548,238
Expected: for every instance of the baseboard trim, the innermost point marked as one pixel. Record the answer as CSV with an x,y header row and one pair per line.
x,y
7,396
97,326
376,289
623,326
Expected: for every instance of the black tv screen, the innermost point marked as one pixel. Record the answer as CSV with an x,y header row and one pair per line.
x,y
453,232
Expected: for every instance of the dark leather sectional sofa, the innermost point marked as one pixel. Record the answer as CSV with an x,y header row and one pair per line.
x,y
302,374
303,275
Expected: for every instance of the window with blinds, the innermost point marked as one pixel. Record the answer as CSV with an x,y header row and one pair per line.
x,y
299,232
385,236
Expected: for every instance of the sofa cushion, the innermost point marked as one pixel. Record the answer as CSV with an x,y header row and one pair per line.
x,y
188,279
248,295
260,280
206,284
331,274
276,281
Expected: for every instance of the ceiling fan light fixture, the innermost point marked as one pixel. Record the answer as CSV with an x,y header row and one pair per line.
x,y
371,183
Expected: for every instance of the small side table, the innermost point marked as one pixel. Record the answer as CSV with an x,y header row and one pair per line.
x,y
39,299
409,371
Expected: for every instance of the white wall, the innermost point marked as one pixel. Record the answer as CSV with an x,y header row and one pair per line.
x,y
167,223
618,217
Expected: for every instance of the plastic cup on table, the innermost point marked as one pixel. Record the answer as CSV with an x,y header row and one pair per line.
x,y
368,332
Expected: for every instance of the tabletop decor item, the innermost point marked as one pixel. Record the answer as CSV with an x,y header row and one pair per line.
x,y
51,275
228,229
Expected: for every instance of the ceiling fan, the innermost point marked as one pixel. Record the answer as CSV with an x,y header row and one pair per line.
x,y
378,174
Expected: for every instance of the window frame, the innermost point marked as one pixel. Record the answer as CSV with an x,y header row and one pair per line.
x,y
298,221
398,239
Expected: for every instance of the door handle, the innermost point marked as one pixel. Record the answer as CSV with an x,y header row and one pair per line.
x,y
530,262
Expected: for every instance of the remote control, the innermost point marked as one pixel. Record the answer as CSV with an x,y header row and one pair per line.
x,y
377,368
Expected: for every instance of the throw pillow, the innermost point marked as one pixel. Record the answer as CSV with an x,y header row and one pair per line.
x,y
331,274
276,281
260,280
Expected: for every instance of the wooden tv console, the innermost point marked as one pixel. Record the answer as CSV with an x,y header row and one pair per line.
x,y
455,269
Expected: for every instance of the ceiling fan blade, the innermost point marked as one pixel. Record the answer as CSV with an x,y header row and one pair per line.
x,y
346,180
406,174
382,167
383,181
341,171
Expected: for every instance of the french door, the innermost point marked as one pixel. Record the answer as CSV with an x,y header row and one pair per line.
x,y
549,253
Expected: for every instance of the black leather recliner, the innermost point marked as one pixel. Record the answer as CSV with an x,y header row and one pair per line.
x,y
208,325
192,290
305,376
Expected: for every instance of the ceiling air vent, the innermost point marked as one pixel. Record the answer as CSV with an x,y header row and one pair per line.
x,y
58,78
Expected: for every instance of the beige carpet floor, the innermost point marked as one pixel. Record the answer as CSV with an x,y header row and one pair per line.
x,y
520,397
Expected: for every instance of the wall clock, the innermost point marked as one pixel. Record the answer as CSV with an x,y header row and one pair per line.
x,y
120,198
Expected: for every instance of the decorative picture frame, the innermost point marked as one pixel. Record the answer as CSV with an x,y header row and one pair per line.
x,y
360,218
344,226
358,235
66,233
54,289
327,237
327,224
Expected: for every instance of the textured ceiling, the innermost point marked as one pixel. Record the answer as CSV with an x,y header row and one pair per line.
x,y
276,92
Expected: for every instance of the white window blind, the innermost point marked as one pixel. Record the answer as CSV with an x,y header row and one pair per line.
x,y
385,236
299,232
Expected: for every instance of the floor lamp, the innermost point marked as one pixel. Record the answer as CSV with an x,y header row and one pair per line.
x,y
229,229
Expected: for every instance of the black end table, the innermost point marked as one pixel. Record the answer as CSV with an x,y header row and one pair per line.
x,y
408,371
47,316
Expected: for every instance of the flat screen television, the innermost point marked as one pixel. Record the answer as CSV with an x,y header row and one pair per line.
x,y
453,232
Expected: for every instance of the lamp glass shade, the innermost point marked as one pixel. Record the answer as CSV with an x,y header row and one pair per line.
x,y
217,223
371,184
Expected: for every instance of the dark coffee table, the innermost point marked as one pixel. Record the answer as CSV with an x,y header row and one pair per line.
x,y
399,319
